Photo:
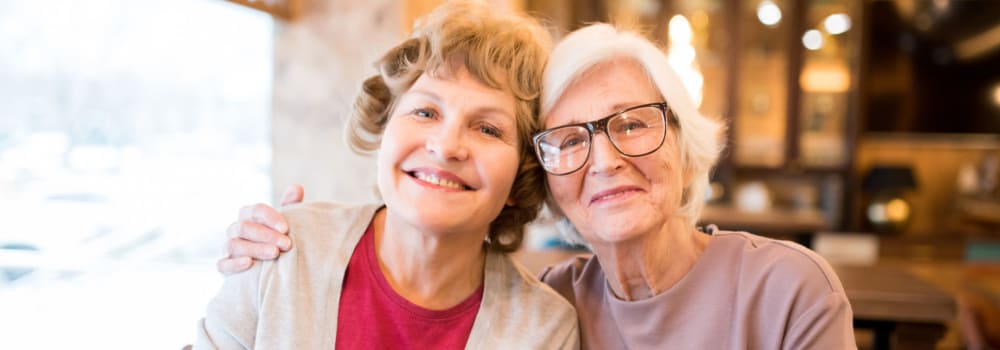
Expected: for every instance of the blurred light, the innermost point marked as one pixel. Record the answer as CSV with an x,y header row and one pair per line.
x,y
837,23
680,29
681,55
996,95
941,5
979,44
699,20
768,13
812,39
897,210
646,7
829,77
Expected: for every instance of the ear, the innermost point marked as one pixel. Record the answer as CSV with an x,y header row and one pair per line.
x,y
511,202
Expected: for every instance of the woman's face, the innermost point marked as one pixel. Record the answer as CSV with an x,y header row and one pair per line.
x,y
449,154
615,198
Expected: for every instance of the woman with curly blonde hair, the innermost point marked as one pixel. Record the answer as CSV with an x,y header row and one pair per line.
x,y
449,116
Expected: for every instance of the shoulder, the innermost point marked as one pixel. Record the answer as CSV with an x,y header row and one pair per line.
x,y
321,212
518,311
562,277
530,288
526,302
765,259
324,221
785,277
324,235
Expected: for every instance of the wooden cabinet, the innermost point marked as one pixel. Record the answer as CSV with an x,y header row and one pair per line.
x,y
792,123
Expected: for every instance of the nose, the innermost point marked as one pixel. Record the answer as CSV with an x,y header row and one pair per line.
x,y
604,158
447,143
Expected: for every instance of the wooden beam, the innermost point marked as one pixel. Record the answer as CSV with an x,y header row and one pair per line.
x,y
282,9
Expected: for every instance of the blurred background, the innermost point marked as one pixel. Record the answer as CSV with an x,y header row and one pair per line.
x,y
131,131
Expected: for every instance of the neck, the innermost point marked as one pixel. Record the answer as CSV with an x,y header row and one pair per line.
x,y
653,262
433,270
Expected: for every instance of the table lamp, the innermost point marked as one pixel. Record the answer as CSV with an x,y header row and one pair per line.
x,y
887,209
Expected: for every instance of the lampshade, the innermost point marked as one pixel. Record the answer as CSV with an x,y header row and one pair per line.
x,y
889,178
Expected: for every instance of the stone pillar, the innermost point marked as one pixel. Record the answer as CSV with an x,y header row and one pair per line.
x,y
320,60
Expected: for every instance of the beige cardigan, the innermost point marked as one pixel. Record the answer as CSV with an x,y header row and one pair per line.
x,y
292,302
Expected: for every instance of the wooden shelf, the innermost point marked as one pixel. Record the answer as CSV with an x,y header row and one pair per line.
x,y
982,210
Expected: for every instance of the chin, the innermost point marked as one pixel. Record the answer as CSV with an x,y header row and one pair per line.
x,y
611,238
617,230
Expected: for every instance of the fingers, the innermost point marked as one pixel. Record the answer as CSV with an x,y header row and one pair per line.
x,y
257,233
229,266
241,248
265,215
292,195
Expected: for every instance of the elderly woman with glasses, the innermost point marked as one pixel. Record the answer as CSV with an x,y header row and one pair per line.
x,y
627,157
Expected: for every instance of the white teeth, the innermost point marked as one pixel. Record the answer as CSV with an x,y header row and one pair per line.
x,y
610,196
616,194
439,182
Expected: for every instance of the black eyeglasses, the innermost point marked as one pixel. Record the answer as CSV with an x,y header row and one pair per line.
x,y
634,132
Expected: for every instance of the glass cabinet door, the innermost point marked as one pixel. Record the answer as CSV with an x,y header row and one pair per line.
x,y
760,122
830,55
696,38
697,42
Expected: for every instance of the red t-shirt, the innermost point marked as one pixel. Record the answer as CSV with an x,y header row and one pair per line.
x,y
373,316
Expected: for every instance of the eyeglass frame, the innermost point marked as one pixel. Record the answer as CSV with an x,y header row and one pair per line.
x,y
602,125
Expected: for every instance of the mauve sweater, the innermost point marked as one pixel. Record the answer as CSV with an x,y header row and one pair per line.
x,y
744,292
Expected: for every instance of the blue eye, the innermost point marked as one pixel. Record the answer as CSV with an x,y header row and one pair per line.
x,y
572,142
424,113
490,130
632,125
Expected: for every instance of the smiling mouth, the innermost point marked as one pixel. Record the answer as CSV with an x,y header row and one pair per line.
x,y
612,195
436,181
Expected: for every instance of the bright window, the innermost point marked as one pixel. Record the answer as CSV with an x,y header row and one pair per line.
x,y
131,131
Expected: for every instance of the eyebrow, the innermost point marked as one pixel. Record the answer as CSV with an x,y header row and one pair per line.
x,y
615,108
428,94
478,109
618,107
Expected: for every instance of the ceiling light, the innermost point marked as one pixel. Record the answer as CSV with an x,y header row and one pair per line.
x,y
768,13
837,23
812,39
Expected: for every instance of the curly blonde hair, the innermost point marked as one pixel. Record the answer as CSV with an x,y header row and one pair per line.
x,y
503,51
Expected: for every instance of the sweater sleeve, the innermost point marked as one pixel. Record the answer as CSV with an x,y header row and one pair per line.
x,y
572,341
230,320
826,325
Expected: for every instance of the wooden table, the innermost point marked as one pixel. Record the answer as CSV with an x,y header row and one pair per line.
x,y
772,220
796,225
904,311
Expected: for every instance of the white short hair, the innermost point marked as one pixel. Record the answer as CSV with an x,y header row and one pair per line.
x,y
700,139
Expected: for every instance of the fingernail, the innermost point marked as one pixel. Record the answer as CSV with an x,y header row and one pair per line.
x,y
281,227
243,262
284,243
